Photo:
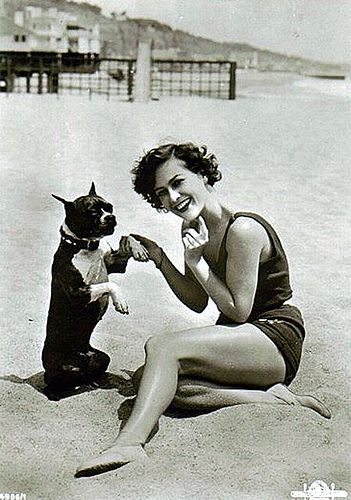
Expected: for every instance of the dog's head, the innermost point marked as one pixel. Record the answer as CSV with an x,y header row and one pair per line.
x,y
89,216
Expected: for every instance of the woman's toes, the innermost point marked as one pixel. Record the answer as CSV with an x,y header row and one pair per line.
x,y
281,392
315,404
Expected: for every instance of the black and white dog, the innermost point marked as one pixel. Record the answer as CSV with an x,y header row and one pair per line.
x,y
80,292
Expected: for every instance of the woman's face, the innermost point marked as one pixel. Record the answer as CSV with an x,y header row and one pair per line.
x,y
181,191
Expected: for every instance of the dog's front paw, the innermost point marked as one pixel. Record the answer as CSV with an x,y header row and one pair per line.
x,y
120,305
118,301
137,250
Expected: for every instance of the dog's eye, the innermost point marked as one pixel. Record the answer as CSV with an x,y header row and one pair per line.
x,y
96,211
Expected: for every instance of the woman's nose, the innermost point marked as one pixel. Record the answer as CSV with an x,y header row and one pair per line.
x,y
173,195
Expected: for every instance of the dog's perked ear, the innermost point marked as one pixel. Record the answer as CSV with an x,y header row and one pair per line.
x,y
62,200
92,191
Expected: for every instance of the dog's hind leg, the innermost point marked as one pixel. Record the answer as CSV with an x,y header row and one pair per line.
x,y
97,363
65,377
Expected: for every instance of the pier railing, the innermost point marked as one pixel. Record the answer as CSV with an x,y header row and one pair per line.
x,y
70,73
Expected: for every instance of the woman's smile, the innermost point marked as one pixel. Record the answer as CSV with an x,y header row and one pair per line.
x,y
183,205
181,191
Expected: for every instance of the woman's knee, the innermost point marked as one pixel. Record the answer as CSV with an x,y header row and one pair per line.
x,y
160,345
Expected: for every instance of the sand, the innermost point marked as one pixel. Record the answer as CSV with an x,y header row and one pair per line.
x,y
284,154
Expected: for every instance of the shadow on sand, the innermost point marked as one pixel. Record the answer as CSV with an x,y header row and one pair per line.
x,y
122,382
126,382
126,407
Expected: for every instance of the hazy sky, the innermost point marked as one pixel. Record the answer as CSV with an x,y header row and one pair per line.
x,y
318,29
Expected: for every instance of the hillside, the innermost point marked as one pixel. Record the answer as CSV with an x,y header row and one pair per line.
x,y
119,37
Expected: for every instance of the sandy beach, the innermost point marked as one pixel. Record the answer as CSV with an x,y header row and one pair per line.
x,y
284,153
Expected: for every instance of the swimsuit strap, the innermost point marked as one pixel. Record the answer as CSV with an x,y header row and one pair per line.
x,y
276,244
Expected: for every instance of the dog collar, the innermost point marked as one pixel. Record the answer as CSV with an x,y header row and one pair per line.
x,y
79,243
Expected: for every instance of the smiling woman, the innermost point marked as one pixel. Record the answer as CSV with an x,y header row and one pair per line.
x,y
253,351
196,159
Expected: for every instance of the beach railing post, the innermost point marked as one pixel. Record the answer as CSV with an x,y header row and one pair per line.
x,y
59,69
28,83
130,80
29,73
142,89
10,74
40,81
232,80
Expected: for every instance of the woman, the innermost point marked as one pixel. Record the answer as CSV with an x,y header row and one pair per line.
x,y
253,351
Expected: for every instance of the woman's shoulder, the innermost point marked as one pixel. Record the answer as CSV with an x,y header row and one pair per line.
x,y
245,229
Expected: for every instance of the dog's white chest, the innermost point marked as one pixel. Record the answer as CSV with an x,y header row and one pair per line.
x,y
91,266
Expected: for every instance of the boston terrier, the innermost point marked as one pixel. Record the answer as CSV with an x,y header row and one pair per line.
x,y
80,292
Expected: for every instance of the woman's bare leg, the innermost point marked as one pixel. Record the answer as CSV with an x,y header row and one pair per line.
x,y
202,395
236,356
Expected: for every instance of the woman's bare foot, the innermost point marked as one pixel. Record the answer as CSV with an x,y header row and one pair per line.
x,y
280,391
110,459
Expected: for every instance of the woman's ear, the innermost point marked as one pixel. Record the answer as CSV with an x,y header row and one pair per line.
x,y
203,177
207,185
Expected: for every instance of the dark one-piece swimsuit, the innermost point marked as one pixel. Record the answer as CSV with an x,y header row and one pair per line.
x,y
282,323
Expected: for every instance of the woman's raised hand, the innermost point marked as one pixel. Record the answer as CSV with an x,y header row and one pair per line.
x,y
194,236
131,246
154,251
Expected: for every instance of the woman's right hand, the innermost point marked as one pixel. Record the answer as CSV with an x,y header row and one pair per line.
x,y
195,237
155,252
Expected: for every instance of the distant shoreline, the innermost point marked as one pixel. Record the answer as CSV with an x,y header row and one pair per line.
x,y
332,87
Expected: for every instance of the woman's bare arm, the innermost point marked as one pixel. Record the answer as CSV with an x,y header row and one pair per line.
x,y
184,286
245,241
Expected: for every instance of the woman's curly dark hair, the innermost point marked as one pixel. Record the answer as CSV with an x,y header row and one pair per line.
x,y
196,159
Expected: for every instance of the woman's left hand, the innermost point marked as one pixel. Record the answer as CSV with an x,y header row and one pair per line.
x,y
194,236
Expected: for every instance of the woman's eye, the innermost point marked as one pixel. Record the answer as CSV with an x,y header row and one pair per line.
x,y
162,193
177,182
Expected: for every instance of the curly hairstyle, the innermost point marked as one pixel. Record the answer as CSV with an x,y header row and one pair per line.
x,y
196,159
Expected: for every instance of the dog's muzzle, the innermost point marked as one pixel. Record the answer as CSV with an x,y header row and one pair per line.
x,y
108,219
108,223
